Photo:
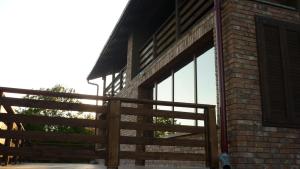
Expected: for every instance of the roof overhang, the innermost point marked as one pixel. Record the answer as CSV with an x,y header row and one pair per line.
x,y
114,54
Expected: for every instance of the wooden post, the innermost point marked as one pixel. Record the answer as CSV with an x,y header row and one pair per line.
x,y
113,85
104,86
212,138
9,125
113,144
121,79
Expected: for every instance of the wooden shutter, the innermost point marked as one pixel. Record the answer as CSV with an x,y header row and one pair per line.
x,y
293,73
279,63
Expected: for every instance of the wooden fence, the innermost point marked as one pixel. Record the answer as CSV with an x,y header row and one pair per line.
x,y
111,124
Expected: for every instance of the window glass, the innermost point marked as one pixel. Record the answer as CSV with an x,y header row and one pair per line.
x,y
206,80
164,92
184,90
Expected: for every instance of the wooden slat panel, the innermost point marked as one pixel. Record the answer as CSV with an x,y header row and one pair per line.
x,y
147,62
165,45
161,156
186,6
146,56
166,26
161,127
162,141
26,119
195,16
161,113
57,153
188,15
169,34
166,31
147,48
48,136
43,104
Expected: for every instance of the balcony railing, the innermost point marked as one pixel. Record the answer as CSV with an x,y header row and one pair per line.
x,y
187,13
117,84
203,147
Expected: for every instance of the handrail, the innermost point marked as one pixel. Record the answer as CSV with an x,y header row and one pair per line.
x,y
119,77
103,98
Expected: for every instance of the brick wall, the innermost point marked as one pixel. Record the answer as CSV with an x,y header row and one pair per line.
x,y
251,144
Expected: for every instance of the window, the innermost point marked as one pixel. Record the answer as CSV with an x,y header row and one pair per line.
x,y
193,83
279,63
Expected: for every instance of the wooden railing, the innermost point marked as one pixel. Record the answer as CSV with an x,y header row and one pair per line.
x,y
11,125
41,145
113,127
186,14
117,84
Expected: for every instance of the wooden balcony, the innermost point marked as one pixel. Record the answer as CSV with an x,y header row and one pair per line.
x,y
111,124
186,14
117,84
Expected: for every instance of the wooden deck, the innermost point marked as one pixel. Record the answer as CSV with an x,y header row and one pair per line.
x,y
76,166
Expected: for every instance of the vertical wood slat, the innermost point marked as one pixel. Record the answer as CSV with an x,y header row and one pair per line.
x,y
113,147
212,138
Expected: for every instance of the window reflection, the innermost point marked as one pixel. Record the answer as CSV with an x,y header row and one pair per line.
x,y
185,79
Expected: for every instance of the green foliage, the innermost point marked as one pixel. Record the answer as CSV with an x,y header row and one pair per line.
x,y
165,121
55,113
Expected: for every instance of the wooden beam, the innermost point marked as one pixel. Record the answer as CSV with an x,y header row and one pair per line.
x,y
161,156
53,153
43,104
161,127
162,141
51,136
161,113
44,120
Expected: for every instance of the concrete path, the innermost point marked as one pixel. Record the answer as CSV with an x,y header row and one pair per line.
x,y
72,166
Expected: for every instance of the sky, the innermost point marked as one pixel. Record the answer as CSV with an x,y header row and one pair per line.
x,y
49,42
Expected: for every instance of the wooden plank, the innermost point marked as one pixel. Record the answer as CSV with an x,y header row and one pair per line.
x,y
184,8
51,94
43,104
113,146
161,156
193,19
147,62
161,141
93,97
161,127
169,34
165,45
58,153
146,56
213,142
49,136
188,15
161,113
165,26
147,48
30,119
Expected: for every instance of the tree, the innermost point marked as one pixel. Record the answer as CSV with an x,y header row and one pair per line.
x,y
55,113
165,121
